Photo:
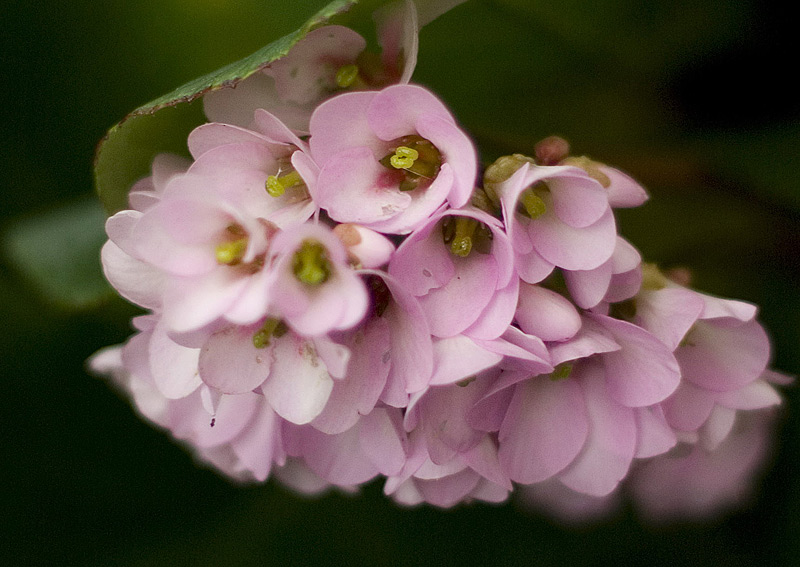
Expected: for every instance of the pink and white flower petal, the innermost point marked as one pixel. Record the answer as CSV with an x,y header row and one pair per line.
x,y
230,363
173,367
546,314
654,435
644,371
573,248
544,429
308,71
371,248
723,358
668,313
358,391
624,191
609,450
299,385
136,281
398,34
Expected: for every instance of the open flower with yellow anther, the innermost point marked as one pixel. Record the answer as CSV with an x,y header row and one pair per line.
x,y
240,435
554,215
723,352
327,61
389,159
459,265
315,289
585,421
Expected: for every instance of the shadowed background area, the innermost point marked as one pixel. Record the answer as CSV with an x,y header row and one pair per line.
x,y
690,98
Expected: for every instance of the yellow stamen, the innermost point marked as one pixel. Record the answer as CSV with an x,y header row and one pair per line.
x,y
231,252
462,240
277,186
404,157
533,203
271,328
311,265
346,76
561,372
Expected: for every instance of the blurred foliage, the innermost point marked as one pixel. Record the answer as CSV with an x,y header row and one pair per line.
x,y
685,96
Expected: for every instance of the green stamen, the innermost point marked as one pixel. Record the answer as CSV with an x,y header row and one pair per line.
x,y
346,76
534,205
231,252
271,328
277,186
561,372
311,265
462,239
404,157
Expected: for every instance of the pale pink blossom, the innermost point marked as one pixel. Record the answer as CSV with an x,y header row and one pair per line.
x,y
389,159
327,61
240,436
723,353
459,265
567,221
694,483
581,423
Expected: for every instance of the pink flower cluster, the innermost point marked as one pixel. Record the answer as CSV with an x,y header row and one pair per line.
x,y
337,291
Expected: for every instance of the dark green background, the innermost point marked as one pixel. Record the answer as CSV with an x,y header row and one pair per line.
x,y
691,98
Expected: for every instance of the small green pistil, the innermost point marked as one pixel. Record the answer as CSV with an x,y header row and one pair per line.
x,y
311,265
231,252
346,76
404,157
277,186
534,205
271,328
561,372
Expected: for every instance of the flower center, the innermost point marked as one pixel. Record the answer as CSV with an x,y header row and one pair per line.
x,y
277,186
403,157
533,205
465,234
271,328
416,158
311,264
347,76
561,372
232,250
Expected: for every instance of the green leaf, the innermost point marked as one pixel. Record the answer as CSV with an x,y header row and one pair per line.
x,y
124,155
58,253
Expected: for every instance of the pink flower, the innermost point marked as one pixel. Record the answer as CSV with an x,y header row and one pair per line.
x,y
722,351
586,421
239,435
392,357
695,483
374,445
472,475
328,60
459,265
314,290
566,220
389,159
617,279
295,374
